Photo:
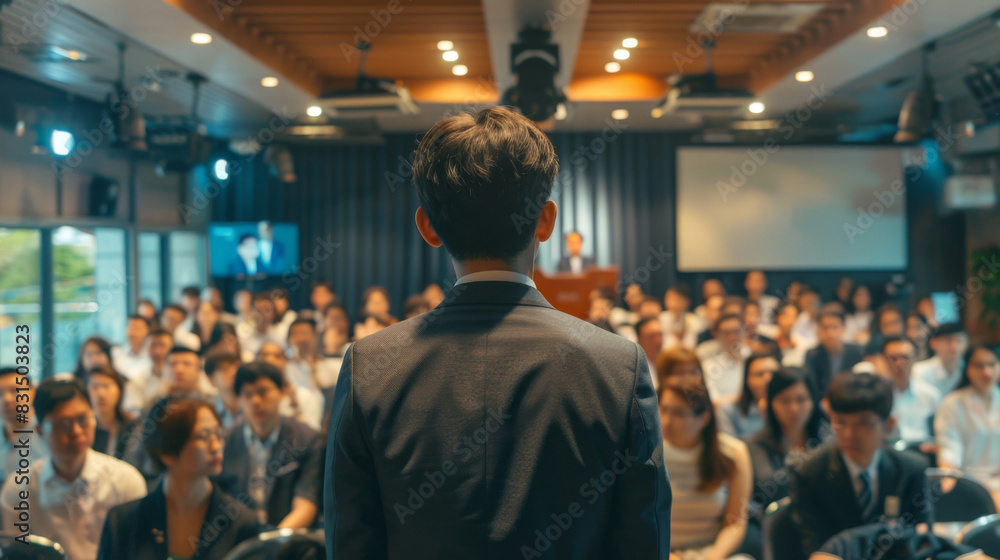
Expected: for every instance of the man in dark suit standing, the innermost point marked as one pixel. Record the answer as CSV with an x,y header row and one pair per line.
x,y
832,355
575,262
857,479
494,426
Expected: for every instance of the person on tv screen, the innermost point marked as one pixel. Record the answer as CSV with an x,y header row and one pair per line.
x,y
248,261
272,251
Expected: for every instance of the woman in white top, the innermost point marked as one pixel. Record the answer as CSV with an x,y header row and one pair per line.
x,y
746,416
968,423
710,475
857,324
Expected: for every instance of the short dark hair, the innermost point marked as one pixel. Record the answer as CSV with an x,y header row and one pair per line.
x,y
52,393
255,371
119,380
643,322
178,349
476,173
828,311
216,359
103,345
160,331
966,358
946,329
191,291
170,423
681,289
137,317
8,370
175,307
860,392
279,292
321,284
246,236
302,321
726,317
894,339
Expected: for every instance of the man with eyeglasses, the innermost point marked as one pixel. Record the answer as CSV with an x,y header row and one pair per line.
x,y
273,460
67,496
857,479
913,401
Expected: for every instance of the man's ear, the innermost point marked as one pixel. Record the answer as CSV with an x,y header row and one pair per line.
x,y
425,228
546,221
890,424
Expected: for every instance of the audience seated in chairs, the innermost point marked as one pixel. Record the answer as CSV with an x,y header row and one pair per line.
x,y
274,460
832,355
913,401
114,426
69,493
221,368
848,483
11,419
746,416
710,475
968,423
944,369
186,515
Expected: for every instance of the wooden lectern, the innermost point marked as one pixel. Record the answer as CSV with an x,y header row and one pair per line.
x,y
570,293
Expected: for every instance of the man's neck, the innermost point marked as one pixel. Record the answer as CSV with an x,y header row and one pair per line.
x,y
185,493
266,428
522,264
157,370
863,461
106,420
950,365
69,470
901,382
834,350
136,348
231,402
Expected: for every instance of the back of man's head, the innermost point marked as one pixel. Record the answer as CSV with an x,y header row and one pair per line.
x,y
482,179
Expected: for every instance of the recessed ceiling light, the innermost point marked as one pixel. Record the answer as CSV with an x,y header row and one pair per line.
x,y
459,69
621,54
450,56
612,67
877,32
804,76
269,81
756,107
630,43
656,112
201,38
314,111
619,114
445,45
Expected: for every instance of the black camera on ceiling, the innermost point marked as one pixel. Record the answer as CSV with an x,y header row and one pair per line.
x,y
535,61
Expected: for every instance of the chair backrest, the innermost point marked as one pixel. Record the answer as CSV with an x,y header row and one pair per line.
x,y
984,534
38,548
968,499
781,536
283,544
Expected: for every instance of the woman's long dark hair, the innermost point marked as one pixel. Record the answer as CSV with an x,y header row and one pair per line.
x,y
713,466
120,381
81,372
782,379
966,358
746,398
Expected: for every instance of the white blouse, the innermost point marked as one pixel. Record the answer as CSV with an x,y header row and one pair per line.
x,y
968,430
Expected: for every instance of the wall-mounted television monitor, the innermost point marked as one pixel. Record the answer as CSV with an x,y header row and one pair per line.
x,y
252,249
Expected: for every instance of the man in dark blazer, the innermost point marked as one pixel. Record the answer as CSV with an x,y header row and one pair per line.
x,y
857,479
289,484
494,426
575,262
832,355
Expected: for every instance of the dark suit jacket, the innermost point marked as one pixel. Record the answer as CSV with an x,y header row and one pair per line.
x,y
138,530
824,502
239,268
817,363
122,439
294,469
483,428
564,265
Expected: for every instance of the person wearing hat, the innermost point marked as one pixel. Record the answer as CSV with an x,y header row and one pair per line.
x,y
944,369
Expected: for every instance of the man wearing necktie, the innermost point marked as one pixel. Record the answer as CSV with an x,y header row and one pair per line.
x,y
847,483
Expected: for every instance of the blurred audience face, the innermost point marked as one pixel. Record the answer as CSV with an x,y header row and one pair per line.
x,y
755,284
574,244
650,337
105,395
147,310
676,303
751,316
712,287
336,320
713,308
281,304
273,354
859,434
259,402
794,291
263,313
925,307
207,315
634,296
891,323
302,338
950,347
793,407
136,332
171,318
649,309
93,357
600,309
681,426
862,299
69,431
984,370
321,296
831,333
377,304
809,303
685,374
917,331
434,295
759,375
228,343
201,456
730,335
184,369
241,302
786,317
215,297
9,392
732,306
899,356
190,303
844,288
159,346
224,377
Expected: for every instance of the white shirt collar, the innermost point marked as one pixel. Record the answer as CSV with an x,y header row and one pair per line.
x,y
855,469
267,443
496,276
89,473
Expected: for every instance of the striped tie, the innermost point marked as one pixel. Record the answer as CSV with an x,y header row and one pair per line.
x,y
866,499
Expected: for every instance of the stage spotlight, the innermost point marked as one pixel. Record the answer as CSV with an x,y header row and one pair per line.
x,y
61,142
221,169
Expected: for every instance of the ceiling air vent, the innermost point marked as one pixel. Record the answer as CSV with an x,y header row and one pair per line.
x,y
755,18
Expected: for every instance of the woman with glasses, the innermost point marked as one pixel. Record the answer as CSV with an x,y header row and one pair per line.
x,y
746,416
710,475
967,425
187,516
114,426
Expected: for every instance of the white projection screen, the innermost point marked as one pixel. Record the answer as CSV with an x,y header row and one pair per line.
x,y
791,208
